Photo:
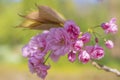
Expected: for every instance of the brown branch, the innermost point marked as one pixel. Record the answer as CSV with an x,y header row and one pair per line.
x,y
106,68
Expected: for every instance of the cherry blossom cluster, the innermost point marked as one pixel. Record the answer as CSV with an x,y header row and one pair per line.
x,y
67,40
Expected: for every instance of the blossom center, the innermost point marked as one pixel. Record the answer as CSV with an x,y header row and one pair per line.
x,y
41,49
62,41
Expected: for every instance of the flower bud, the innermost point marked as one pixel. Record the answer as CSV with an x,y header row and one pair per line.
x,y
96,40
86,37
109,44
72,56
97,52
110,27
78,45
84,57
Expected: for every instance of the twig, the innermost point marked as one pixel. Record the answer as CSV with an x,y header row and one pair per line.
x,y
106,68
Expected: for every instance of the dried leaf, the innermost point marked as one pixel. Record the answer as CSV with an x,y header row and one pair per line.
x,y
43,19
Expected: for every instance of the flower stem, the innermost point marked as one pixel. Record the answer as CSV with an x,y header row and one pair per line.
x,y
49,53
96,26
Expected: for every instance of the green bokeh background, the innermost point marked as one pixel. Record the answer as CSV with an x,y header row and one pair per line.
x,y
86,13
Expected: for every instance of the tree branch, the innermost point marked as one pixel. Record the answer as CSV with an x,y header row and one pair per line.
x,y
106,68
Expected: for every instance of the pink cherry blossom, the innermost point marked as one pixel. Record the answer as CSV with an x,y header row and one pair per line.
x,y
26,51
72,29
35,51
78,45
86,37
84,57
39,68
96,52
59,41
109,44
110,27
36,46
42,70
72,56
54,57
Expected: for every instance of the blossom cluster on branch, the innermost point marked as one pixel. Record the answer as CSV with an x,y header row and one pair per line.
x,y
68,40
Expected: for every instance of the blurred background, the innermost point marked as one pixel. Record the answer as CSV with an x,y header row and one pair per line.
x,y
86,13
